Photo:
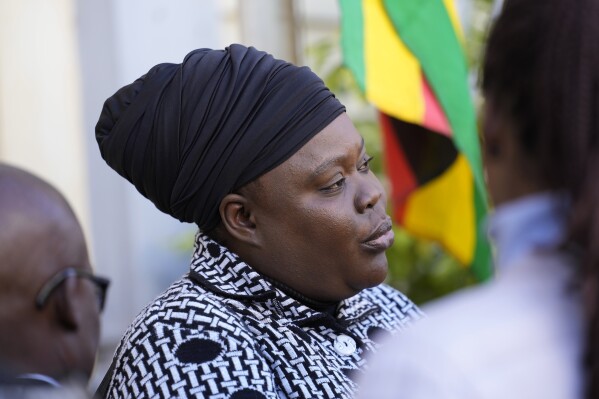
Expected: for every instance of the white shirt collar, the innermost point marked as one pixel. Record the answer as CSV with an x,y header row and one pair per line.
x,y
41,377
520,227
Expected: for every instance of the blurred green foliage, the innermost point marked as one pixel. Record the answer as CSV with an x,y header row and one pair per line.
x,y
476,34
419,268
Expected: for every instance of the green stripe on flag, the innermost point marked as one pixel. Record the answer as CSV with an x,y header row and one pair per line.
x,y
426,29
481,261
352,39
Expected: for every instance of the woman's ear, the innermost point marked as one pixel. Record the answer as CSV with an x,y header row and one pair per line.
x,y
238,219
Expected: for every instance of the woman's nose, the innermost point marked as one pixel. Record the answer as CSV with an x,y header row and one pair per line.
x,y
369,192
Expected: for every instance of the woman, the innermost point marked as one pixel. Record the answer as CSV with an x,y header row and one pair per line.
x,y
283,296
533,332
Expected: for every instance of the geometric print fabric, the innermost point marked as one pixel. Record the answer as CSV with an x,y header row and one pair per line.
x,y
225,332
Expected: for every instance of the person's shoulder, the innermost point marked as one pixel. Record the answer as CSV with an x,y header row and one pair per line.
x,y
391,300
186,330
428,359
524,286
66,392
384,293
184,311
188,305
449,315
415,364
470,340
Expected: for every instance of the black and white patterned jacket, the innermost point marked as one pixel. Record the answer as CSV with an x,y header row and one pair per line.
x,y
224,331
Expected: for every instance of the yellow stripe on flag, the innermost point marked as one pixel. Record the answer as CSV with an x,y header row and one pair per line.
x,y
393,75
442,210
455,20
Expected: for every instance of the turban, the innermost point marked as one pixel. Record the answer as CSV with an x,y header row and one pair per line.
x,y
188,134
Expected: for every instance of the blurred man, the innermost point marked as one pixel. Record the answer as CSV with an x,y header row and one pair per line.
x,y
50,301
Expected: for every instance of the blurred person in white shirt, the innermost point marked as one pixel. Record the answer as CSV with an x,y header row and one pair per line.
x,y
532,332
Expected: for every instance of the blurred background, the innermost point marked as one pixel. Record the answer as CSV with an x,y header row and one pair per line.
x,y
59,61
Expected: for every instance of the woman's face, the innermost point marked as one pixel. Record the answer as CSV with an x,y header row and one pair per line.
x,y
321,214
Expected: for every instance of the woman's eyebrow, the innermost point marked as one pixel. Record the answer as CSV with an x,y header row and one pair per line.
x,y
332,161
326,165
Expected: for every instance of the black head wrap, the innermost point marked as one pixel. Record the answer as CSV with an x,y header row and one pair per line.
x,y
188,134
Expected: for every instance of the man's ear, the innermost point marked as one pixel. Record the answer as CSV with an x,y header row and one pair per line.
x,y
65,305
238,219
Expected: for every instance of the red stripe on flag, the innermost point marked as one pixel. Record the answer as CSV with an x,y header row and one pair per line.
x,y
434,117
400,174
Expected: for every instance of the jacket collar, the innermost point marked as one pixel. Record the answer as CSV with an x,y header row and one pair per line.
x,y
221,271
525,225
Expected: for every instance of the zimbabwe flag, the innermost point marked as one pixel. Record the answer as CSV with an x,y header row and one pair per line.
x,y
407,58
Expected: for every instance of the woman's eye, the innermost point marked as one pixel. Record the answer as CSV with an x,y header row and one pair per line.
x,y
365,165
335,186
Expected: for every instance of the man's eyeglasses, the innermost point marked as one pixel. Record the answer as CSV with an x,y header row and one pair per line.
x,y
101,284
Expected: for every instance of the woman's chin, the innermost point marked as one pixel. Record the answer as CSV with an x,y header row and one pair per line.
x,y
377,273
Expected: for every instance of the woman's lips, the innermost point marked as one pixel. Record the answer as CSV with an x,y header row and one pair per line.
x,y
382,237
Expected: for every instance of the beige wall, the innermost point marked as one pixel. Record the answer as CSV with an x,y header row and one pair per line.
x,y
40,112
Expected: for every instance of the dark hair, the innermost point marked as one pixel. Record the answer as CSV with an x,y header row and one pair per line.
x,y
541,71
